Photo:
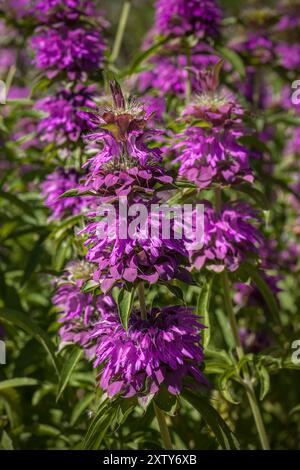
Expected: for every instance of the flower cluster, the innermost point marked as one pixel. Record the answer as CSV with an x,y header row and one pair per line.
x,y
162,349
229,237
208,150
63,122
55,185
65,42
182,17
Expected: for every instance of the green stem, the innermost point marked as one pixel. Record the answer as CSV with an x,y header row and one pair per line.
x,y
141,294
240,352
163,427
226,287
165,435
121,30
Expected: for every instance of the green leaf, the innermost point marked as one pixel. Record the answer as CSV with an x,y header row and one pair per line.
x,y
34,258
24,322
6,442
17,382
255,194
145,55
223,434
90,286
17,202
165,401
233,58
125,301
99,425
264,379
80,406
67,370
264,289
69,193
224,385
203,309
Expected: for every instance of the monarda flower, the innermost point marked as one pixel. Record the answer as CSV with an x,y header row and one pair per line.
x,y
230,237
125,163
72,303
168,73
201,18
63,121
208,149
254,341
163,349
56,184
71,47
146,254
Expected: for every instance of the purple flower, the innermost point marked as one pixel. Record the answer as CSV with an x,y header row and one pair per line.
x,y
64,121
168,73
60,7
180,17
250,295
230,238
289,55
145,254
122,131
254,341
257,48
56,184
79,311
110,184
208,149
74,49
162,350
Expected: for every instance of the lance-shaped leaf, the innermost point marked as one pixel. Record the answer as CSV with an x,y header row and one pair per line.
x,y
203,309
67,370
125,302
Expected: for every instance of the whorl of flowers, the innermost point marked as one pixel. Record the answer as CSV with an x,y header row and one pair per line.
x,y
64,122
230,237
125,163
79,310
169,74
144,255
183,17
254,341
56,184
161,350
208,149
66,42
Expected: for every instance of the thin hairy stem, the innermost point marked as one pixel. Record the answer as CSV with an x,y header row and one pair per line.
x,y
121,30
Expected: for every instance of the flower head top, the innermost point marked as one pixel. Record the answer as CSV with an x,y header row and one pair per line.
x,y
65,43
230,237
209,150
124,160
182,17
164,349
72,302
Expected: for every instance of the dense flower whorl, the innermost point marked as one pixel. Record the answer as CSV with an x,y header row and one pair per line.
x,y
180,17
229,238
145,254
169,73
163,349
56,184
209,151
73,50
132,182
64,121
72,302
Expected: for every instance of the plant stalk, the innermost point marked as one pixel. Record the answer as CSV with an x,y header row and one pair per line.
x,y
141,294
163,427
226,287
121,30
160,415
